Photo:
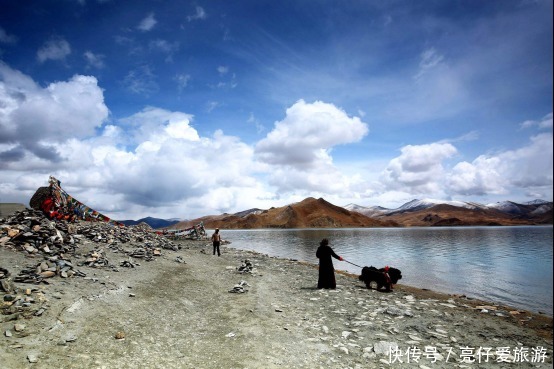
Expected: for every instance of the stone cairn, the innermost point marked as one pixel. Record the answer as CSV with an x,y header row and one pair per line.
x,y
53,251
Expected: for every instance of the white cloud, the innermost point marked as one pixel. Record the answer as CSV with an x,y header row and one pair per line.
x,y
430,59
298,149
482,176
544,123
307,134
164,46
419,169
153,162
147,23
198,15
253,120
210,106
173,165
54,49
141,81
37,118
222,70
182,81
94,60
155,124
156,163
528,168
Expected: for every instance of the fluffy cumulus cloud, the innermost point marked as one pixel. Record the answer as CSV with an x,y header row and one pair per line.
x,y
298,149
303,139
482,176
419,168
154,162
153,159
528,169
34,119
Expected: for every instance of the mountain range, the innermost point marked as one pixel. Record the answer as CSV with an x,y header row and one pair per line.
x,y
318,213
152,222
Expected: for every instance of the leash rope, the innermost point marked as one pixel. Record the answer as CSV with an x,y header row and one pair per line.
x,y
351,263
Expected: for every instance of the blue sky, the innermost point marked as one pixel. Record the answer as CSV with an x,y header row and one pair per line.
x,y
183,109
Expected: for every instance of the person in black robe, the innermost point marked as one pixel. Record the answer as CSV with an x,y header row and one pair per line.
x,y
326,270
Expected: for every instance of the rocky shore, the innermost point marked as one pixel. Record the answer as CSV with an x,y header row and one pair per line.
x,y
92,296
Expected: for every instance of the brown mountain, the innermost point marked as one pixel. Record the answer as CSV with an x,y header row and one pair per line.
x,y
448,215
309,213
318,213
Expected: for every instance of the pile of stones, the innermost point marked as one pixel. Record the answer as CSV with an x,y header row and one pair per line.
x,y
245,267
58,242
61,249
240,287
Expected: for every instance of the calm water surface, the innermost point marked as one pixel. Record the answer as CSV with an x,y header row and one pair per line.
x,y
509,265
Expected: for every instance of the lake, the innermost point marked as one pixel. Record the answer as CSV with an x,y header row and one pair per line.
x,y
507,265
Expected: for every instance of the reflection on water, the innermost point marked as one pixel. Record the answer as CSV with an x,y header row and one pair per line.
x,y
509,265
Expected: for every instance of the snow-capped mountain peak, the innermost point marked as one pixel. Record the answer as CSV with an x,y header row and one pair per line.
x,y
427,203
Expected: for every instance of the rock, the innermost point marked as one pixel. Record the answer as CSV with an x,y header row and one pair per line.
x,y
345,334
120,335
344,349
72,338
47,274
8,333
9,317
30,249
240,288
245,267
393,310
384,348
32,357
7,285
4,273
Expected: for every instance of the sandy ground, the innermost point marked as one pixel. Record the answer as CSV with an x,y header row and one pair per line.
x,y
182,315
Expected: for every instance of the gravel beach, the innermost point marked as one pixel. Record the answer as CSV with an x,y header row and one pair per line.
x,y
190,309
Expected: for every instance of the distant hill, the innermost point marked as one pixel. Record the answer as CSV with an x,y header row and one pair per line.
x,y
309,213
318,213
155,223
429,212
8,208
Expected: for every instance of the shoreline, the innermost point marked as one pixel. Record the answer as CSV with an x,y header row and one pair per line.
x,y
177,311
482,300
541,322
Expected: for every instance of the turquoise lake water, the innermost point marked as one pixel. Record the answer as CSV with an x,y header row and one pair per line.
x,y
507,265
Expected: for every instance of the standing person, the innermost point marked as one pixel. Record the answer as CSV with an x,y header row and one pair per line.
x,y
216,240
326,270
